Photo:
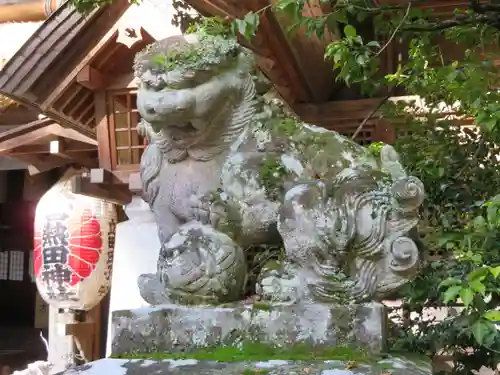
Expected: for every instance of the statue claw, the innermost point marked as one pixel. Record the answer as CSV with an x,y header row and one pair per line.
x,y
206,212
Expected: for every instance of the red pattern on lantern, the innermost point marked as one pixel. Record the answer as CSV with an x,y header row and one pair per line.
x,y
37,253
84,245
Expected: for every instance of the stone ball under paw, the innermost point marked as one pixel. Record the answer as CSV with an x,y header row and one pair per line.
x,y
200,264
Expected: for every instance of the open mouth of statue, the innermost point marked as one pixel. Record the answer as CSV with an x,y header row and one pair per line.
x,y
181,130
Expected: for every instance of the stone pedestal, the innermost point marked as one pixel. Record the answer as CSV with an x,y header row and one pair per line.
x,y
171,329
393,366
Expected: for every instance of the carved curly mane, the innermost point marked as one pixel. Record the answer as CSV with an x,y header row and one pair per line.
x,y
353,191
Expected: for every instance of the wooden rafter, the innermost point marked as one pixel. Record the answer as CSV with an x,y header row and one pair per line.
x,y
61,87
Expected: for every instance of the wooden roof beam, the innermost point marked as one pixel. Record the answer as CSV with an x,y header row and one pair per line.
x,y
91,78
107,190
75,135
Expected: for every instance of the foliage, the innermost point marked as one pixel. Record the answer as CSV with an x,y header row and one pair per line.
x,y
461,221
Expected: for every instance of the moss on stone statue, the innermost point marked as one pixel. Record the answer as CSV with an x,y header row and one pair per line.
x,y
256,371
375,148
262,306
284,126
272,174
230,223
210,53
253,351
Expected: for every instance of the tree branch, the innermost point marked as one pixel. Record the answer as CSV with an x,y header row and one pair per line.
x,y
457,21
369,116
395,30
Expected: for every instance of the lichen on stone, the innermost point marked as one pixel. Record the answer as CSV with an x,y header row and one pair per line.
x,y
212,53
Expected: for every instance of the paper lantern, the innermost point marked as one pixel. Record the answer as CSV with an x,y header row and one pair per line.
x,y
74,244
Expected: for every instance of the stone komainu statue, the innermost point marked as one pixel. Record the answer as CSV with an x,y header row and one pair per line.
x,y
228,169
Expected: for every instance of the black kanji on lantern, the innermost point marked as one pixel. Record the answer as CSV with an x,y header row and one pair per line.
x,y
55,251
111,246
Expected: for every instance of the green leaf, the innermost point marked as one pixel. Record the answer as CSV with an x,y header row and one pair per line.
x,y
361,16
478,286
241,26
373,43
495,271
290,7
481,329
451,293
450,281
479,222
252,19
350,31
467,295
491,124
492,213
493,315
361,60
479,273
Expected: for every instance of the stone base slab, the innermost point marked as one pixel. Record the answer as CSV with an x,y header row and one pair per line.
x,y
393,366
176,328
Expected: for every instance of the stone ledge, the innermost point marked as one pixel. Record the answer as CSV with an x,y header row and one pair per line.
x,y
393,366
174,328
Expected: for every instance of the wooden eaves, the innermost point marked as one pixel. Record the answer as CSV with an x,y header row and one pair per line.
x,y
45,144
61,72
295,63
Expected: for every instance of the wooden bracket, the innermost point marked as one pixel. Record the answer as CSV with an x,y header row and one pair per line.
x,y
101,184
41,163
91,78
135,182
58,147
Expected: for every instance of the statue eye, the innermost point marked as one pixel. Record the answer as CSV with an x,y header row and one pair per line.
x,y
146,85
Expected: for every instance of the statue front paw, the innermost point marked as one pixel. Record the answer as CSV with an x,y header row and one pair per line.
x,y
152,289
206,211
202,265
